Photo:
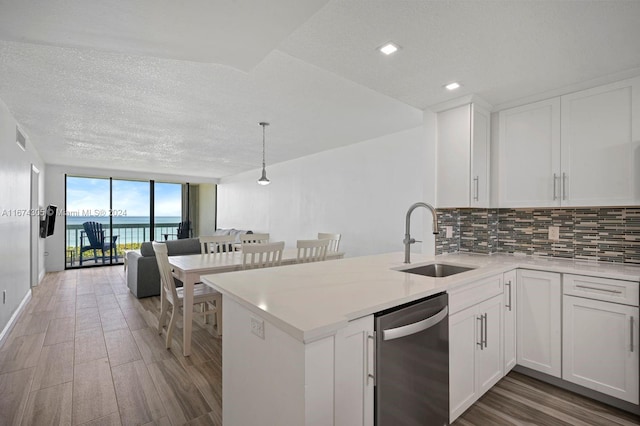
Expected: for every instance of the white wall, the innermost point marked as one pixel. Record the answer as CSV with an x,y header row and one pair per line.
x,y
362,191
15,188
55,190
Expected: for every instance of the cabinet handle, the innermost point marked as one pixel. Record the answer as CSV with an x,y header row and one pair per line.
x,y
599,289
371,354
476,181
481,342
564,186
509,284
555,186
484,320
631,328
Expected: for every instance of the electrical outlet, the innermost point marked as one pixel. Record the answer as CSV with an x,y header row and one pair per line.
x,y
257,327
554,233
449,231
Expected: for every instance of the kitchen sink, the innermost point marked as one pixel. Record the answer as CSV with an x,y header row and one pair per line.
x,y
437,270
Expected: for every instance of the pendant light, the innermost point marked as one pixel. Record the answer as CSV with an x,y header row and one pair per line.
x,y
263,179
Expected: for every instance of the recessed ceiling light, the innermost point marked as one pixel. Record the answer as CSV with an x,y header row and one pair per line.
x,y
389,48
452,86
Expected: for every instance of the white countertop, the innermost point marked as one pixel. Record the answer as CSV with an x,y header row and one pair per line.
x,y
313,300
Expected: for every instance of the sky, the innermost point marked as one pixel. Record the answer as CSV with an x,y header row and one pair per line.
x,y
130,198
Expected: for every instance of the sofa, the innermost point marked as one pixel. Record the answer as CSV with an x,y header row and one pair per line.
x,y
143,275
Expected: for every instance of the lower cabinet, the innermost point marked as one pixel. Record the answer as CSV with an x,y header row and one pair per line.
x,y
475,353
509,308
600,346
539,319
353,395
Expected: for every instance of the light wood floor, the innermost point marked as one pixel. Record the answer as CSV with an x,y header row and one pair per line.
x,y
86,352
521,400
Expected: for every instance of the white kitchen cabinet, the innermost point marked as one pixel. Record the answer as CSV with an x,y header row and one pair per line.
x,y
600,134
538,298
529,155
600,347
600,335
579,149
463,157
509,307
354,364
475,353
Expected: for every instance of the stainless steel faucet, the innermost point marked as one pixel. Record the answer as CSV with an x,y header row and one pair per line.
x,y
407,232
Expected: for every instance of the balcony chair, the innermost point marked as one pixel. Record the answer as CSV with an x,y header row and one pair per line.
x,y
95,234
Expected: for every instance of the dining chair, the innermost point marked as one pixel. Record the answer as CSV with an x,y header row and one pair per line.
x,y
217,243
312,250
202,294
262,255
334,243
254,238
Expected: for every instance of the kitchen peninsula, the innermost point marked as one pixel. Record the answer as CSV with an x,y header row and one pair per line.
x,y
296,338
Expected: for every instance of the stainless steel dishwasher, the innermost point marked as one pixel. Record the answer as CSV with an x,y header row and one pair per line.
x,y
412,364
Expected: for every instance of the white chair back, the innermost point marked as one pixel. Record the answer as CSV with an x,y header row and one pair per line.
x,y
334,243
254,238
312,250
168,285
217,243
262,255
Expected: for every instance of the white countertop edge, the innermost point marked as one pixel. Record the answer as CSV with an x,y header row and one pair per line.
x,y
304,336
503,263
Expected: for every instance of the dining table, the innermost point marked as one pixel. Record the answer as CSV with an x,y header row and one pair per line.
x,y
189,269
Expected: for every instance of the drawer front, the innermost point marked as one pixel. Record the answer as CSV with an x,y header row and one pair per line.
x,y
474,293
618,291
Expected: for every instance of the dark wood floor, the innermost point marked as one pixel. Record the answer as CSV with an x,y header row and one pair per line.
x,y
86,352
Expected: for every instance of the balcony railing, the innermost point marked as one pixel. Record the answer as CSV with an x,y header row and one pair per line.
x,y
130,237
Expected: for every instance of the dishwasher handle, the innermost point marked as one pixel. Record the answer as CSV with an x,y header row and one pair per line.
x,y
416,327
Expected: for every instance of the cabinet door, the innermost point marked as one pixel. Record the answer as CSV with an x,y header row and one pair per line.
x,y
538,298
353,364
480,157
529,155
600,347
453,161
489,357
464,342
600,144
509,307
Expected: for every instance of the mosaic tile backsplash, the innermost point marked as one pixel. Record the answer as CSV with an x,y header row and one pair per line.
x,y
598,233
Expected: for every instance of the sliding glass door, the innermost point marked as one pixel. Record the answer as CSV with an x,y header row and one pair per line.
x,y
131,221
89,240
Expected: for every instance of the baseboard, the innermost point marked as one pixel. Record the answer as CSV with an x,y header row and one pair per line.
x,y
580,390
41,276
13,318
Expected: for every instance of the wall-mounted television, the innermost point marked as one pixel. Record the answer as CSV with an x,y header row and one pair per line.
x,y
48,223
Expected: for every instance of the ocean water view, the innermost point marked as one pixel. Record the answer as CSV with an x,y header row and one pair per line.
x,y
131,230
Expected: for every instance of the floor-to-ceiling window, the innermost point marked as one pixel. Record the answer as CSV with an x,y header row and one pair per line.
x,y
106,216
167,210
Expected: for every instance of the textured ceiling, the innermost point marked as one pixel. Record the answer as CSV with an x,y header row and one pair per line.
x,y
155,86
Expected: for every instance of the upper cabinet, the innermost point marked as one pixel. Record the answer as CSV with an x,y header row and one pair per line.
x,y
581,149
463,157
